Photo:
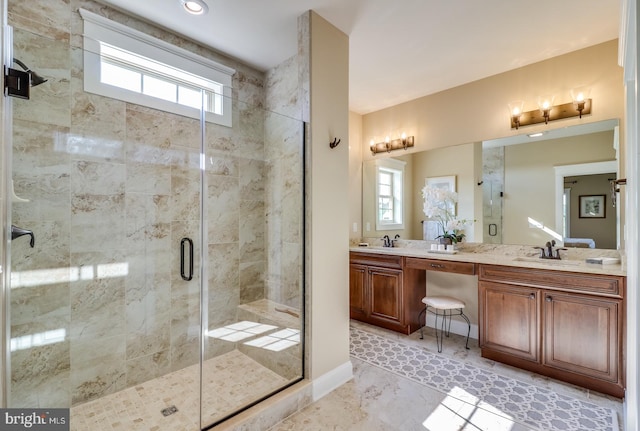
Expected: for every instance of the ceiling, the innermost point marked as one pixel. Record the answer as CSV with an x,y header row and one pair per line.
x,y
399,50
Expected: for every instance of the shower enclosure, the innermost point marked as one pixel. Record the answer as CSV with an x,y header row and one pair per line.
x,y
164,285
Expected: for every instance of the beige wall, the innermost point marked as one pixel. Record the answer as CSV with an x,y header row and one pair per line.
x,y
478,111
355,175
327,191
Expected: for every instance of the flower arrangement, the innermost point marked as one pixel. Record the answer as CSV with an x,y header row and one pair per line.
x,y
439,206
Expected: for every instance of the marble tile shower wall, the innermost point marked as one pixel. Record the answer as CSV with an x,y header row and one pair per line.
x,y
112,189
283,152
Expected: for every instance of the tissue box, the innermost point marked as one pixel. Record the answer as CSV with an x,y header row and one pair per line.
x,y
603,260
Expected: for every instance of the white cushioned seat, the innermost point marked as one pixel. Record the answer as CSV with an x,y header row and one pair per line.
x,y
443,302
443,307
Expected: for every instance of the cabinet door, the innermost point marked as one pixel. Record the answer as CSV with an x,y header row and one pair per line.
x,y
582,334
385,294
509,317
357,291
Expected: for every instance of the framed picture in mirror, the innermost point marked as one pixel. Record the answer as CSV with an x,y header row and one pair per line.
x,y
592,206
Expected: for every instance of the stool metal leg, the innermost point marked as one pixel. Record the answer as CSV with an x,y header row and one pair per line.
x,y
468,330
439,338
445,329
422,321
449,328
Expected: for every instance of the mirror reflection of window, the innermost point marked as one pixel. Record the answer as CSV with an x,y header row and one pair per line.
x,y
385,195
389,194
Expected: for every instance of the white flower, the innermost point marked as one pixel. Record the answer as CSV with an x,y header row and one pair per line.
x,y
439,205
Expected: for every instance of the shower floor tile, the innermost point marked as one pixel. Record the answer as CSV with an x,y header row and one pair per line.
x,y
229,381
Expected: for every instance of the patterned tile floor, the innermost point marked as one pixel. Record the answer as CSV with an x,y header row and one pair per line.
x,y
377,399
485,390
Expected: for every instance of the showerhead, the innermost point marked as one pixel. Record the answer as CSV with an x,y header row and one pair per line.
x,y
35,78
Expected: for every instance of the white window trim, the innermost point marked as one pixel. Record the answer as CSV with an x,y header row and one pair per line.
x,y
100,29
397,165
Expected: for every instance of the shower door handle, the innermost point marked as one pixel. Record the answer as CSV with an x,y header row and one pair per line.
x,y
183,274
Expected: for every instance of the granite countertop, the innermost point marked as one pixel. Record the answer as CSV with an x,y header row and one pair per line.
x,y
573,260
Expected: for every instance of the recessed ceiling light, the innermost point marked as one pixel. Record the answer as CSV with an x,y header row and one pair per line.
x,y
195,7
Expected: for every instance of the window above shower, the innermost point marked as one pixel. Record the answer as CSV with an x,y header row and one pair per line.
x,y
125,64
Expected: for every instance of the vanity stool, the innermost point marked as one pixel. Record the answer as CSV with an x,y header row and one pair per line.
x,y
443,306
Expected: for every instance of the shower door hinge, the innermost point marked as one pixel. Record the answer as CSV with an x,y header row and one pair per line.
x,y
17,83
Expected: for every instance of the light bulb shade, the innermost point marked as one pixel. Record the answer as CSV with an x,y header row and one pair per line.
x,y
515,112
545,103
515,108
580,94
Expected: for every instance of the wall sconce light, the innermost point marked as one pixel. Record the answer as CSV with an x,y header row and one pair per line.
x,y
581,105
580,96
389,144
545,104
515,109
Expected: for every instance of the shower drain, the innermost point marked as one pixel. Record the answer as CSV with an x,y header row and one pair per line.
x,y
169,411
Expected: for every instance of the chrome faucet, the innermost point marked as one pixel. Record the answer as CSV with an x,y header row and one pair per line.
x,y
386,241
393,241
548,251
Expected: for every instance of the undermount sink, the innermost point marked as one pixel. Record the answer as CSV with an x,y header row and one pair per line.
x,y
378,247
556,262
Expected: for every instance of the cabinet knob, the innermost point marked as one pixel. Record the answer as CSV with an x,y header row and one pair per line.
x,y
549,299
532,296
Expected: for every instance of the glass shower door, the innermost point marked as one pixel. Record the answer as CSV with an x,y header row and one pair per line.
x,y
254,296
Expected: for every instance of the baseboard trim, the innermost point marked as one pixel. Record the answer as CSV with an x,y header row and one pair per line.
x,y
457,326
331,380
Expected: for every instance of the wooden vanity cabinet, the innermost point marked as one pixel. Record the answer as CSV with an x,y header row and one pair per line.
x,y
510,320
377,292
582,335
569,326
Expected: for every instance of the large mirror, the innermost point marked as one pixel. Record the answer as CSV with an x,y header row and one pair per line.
x,y
519,190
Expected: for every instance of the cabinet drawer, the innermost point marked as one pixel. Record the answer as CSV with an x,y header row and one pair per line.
x,y
440,265
372,259
550,279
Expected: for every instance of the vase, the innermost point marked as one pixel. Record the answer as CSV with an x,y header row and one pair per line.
x,y
445,241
